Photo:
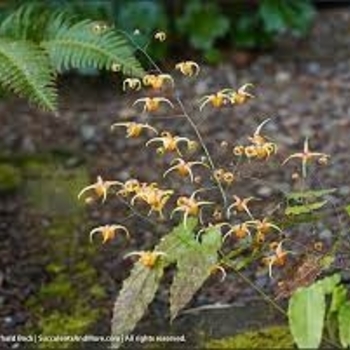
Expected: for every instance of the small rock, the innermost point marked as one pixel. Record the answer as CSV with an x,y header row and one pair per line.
x,y
88,132
313,68
282,77
264,191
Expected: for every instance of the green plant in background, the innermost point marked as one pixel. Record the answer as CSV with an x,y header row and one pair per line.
x,y
311,314
203,25
36,43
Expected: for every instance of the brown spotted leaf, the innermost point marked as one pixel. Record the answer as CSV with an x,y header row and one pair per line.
x,y
137,293
193,268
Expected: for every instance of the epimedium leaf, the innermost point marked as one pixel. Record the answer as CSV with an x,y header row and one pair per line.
x,y
312,194
344,324
176,242
136,294
304,209
193,268
306,314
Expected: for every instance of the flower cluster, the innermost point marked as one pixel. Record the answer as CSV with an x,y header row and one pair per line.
x,y
259,146
189,159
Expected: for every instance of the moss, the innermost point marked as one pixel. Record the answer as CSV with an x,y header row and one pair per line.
x,y
53,190
10,178
64,304
268,338
58,323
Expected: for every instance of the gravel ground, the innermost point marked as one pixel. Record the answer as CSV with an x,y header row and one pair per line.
x,y
302,86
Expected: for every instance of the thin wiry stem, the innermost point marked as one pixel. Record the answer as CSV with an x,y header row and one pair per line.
x,y
186,115
204,147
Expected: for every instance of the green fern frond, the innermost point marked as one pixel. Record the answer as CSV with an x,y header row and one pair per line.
x,y
25,69
28,22
80,45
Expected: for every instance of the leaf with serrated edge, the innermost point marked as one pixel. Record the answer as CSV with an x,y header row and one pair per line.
x,y
137,293
344,324
193,268
306,314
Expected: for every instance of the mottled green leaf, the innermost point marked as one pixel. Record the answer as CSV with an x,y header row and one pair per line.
x,y
174,244
328,284
193,268
306,314
137,293
344,324
304,209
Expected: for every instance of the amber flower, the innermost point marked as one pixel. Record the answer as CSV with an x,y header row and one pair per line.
x,y
147,258
132,84
169,142
184,168
190,206
100,187
108,232
134,129
152,104
188,68
157,81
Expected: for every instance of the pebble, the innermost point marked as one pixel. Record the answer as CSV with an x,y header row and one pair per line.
x,y
88,132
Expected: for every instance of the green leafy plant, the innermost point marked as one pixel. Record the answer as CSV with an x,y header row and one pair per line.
x,y
36,43
218,229
310,314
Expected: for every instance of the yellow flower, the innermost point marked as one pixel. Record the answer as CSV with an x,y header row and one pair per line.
x,y
266,150
217,100
257,139
169,142
100,187
251,151
305,156
151,104
238,150
183,168
241,95
228,177
134,129
109,231
188,68
240,205
264,226
239,230
132,83
155,197
278,258
161,36
190,206
129,187
157,81
147,258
